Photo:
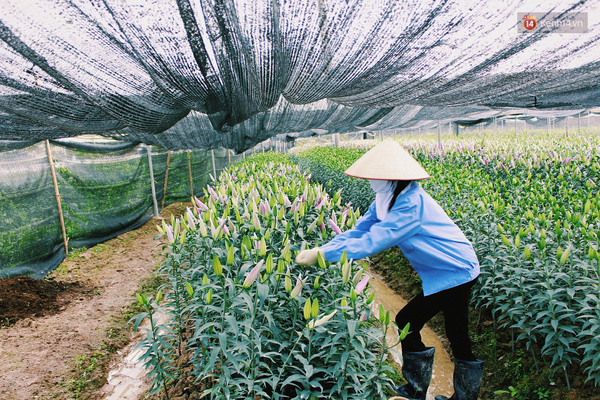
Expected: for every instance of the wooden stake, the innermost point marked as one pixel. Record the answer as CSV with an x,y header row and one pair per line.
x,y
57,195
162,205
154,202
212,154
190,172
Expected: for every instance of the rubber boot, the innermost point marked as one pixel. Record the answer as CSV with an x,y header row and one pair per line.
x,y
467,380
417,368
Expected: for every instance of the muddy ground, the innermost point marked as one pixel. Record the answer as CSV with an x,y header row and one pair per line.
x,y
50,329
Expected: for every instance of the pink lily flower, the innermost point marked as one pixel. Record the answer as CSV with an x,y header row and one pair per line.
x,y
200,204
334,226
212,191
170,236
362,285
252,275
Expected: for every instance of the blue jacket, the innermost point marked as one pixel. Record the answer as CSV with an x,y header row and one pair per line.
x,y
436,248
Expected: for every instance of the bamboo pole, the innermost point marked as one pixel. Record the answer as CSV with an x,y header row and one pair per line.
x,y
154,202
212,154
162,204
190,173
57,195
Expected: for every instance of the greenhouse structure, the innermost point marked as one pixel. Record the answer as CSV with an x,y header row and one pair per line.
x,y
248,112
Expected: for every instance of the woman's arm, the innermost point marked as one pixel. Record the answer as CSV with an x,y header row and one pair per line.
x,y
374,236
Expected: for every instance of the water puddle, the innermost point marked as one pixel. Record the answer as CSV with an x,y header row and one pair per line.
x,y
443,368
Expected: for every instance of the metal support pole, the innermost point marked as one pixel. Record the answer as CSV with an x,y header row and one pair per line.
x,y
457,129
154,202
579,123
548,119
57,195
516,126
336,140
567,126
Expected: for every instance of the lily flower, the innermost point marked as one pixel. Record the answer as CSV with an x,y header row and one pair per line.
x,y
170,236
362,285
252,275
223,226
255,221
288,282
312,226
363,316
344,216
200,205
298,288
212,191
334,226
314,323
346,272
202,228
190,220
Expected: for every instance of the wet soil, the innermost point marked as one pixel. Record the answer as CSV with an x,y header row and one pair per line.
x,y
24,297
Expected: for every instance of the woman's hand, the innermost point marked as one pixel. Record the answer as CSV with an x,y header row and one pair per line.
x,y
308,257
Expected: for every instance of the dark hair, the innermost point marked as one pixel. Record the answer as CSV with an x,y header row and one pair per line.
x,y
400,186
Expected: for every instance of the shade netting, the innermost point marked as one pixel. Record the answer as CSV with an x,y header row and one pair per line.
x,y
232,73
105,189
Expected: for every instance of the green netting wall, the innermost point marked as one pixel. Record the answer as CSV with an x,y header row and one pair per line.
x,y
105,189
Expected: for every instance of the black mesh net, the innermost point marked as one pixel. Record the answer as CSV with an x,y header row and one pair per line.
x,y
222,73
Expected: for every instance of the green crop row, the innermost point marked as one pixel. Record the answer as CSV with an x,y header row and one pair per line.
x,y
248,320
530,207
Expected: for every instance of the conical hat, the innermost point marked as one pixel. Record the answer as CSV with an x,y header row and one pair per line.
x,y
388,160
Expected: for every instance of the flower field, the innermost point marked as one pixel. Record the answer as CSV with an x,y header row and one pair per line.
x,y
247,321
530,206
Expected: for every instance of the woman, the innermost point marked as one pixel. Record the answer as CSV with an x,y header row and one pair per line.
x,y
404,215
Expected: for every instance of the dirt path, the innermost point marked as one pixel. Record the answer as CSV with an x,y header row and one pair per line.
x,y
37,353
441,381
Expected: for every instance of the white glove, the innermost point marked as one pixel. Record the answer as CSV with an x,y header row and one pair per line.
x,y
308,257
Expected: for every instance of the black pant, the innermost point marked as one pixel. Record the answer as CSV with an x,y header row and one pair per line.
x,y
454,302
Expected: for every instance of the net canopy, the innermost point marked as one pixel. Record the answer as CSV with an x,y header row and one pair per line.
x,y
202,74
